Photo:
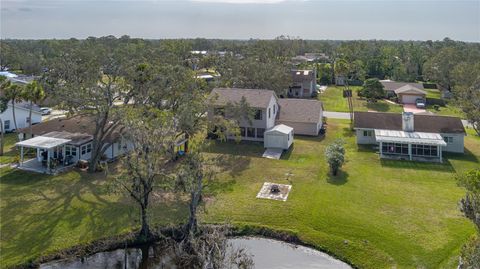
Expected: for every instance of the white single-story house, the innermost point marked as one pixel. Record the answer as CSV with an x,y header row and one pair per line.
x,y
63,142
409,136
279,137
22,115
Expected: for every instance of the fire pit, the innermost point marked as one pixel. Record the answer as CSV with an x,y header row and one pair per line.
x,y
275,188
274,191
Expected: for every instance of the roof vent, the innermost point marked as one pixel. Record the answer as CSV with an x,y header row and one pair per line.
x,y
407,122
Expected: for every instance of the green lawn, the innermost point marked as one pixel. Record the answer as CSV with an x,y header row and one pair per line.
x,y
447,110
333,100
376,214
9,150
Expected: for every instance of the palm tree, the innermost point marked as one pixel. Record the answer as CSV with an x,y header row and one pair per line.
x,y
4,84
33,93
13,93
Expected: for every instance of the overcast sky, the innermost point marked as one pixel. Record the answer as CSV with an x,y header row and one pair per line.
x,y
242,19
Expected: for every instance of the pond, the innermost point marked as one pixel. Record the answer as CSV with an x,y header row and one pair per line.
x,y
266,254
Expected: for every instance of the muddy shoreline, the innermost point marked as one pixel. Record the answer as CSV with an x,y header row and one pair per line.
x,y
130,240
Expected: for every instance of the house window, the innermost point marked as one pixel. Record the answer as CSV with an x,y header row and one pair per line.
x,y
70,151
219,111
119,146
395,148
269,112
6,124
86,149
242,131
251,132
424,150
258,114
367,133
274,109
260,132
448,139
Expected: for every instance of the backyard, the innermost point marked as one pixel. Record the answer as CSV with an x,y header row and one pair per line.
x,y
333,100
375,214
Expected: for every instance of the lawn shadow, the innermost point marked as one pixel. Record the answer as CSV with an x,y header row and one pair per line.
x,y
367,148
348,132
233,164
340,179
446,166
287,153
243,148
56,202
466,156
378,106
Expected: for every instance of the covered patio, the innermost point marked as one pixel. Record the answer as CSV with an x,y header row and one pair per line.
x,y
50,154
417,146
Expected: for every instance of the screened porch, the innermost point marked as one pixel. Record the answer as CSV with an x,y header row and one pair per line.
x,y
415,146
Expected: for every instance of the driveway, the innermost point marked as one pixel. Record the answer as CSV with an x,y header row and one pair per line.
x,y
55,114
413,108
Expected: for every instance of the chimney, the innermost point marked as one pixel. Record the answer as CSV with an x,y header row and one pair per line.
x,y
407,122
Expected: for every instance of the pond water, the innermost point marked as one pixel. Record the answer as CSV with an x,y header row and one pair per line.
x,y
266,254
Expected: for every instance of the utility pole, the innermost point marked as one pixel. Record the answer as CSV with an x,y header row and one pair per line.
x,y
347,93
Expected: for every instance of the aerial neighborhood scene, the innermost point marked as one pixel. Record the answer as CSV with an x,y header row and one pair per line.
x,y
240,134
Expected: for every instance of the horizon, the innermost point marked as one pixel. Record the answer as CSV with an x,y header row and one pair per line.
x,y
391,20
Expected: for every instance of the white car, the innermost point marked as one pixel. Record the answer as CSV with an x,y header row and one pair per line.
x,y
420,103
45,111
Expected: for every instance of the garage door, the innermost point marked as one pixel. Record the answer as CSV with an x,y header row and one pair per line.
x,y
409,99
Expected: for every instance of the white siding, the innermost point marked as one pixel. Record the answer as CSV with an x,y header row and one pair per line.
x,y
280,140
21,114
456,144
362,139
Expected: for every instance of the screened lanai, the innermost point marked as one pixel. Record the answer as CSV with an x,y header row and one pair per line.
x,y
410,145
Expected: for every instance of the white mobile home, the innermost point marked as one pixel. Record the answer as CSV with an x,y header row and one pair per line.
x,y
22,115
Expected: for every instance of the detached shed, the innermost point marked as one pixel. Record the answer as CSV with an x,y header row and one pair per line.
x,y
280,137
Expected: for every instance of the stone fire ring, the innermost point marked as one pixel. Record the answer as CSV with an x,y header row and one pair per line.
x,y
266,193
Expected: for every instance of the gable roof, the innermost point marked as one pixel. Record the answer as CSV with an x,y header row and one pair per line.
x,y
390,85
280,128
299,110
421,123
410,89
256,98
78,124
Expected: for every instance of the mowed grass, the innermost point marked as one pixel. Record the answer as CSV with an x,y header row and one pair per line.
x,y
333,100
375,214
42,214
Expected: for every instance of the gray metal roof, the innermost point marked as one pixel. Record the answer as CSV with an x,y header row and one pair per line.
x,y
43,142
409,137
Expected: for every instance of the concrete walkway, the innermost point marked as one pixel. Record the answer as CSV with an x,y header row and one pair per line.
x,y
346,116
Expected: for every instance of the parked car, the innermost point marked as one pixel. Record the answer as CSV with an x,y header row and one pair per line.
x,y
420,103
45,111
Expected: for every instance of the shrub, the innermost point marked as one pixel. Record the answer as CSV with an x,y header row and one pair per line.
x,y
335,154
436,107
